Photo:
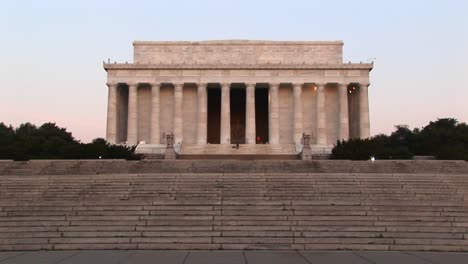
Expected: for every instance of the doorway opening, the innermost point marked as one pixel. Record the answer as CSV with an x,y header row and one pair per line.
x,y
214,116
261,116
237,103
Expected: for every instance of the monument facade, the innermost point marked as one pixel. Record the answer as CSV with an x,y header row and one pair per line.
x,y
237,92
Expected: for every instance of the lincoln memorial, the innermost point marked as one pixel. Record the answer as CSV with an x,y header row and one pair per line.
x,y
217,94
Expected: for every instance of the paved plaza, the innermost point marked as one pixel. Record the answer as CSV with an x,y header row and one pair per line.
x,y
230,257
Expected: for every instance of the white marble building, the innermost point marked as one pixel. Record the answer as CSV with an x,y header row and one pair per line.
x,y
237,91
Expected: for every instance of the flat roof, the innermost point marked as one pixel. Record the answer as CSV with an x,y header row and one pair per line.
x,y
238,42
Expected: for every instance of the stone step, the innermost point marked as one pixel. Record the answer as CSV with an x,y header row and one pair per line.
x,y
289,166
274,210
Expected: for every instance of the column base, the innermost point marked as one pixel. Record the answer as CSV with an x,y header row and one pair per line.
x,y
316,149
150,148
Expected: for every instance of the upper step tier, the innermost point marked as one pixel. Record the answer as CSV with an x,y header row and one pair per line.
x,y
238,52
244,149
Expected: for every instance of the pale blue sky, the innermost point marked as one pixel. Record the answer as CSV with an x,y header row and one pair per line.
x,y
51,52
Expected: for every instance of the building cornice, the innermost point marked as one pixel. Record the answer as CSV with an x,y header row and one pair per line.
x,y
132,66
237,42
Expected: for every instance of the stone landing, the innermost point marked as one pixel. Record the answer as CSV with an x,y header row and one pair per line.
x,y
241,151
233,151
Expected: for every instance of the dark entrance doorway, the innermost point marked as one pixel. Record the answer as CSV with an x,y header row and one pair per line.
x,y
237,103
261,115
214,116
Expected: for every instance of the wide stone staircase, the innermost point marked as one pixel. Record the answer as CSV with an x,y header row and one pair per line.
x,y
241,151
279,205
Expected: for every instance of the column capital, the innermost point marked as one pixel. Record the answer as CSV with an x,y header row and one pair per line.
x,y
345,85
364,84
274,84
297,84
155,84
321,84
223,85
250,85
178,85
201,84
111,84
132,84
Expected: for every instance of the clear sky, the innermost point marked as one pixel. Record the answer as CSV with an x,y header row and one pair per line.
x,y
51,52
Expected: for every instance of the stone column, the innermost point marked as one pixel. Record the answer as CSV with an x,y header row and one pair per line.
x,y
225,113
111,132
132,123
344,119
202,113
297,112
250,113
364,124
178,112
321,122
274,114
155,133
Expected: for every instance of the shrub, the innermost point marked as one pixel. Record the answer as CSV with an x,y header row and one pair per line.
x,y
379,147
52,142
444,139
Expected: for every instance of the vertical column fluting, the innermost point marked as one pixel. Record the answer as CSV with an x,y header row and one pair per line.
x,y
364,124
274,114
297,90
155,123
202,113
178,114
132,123
225,113
321,122
250,113
111,131
344,119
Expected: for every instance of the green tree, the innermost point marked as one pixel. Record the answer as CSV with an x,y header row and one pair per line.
x,y
52,142
444,139
7,138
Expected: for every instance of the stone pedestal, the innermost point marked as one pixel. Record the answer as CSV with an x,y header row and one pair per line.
x,y
170,153
306,153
